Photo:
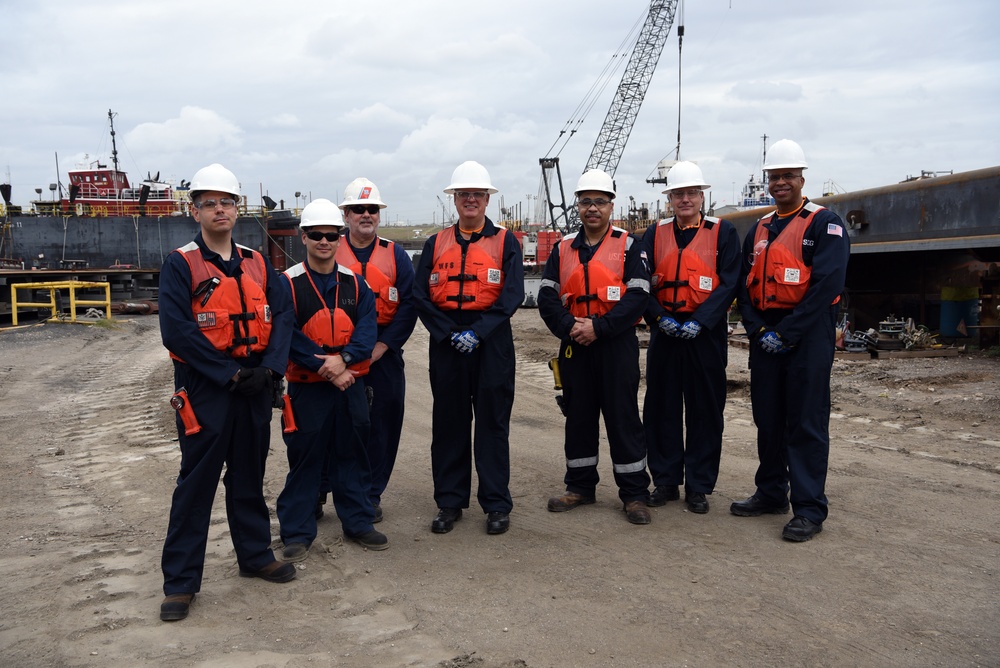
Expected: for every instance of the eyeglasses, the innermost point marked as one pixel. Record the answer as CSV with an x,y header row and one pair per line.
x,y
225,203
774,178
681,194
319,236
361,208
476,195
586,203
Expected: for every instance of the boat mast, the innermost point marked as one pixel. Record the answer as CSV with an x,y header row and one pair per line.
x,y
114,147
763,172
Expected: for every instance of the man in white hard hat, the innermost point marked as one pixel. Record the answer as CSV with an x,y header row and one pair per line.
x,y
389,272
594,288
794,264
469,283
332,341
227,324
696,267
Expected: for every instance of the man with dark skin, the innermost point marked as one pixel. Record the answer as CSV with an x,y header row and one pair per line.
x,y
793,270
594,289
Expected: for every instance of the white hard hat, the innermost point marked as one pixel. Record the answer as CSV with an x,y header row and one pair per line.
x,y
785,154
361,191
596,179
685,175
470,175
321,212
214,177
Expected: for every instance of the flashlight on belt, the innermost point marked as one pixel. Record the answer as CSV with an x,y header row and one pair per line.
x,y
180,403
556,376
287,416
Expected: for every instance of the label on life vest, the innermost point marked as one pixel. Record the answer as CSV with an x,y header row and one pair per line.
x,y
705,283
393,294
433,279
614,293
493,276
206,320
792,275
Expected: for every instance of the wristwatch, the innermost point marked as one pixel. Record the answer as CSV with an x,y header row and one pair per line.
x,y
347,357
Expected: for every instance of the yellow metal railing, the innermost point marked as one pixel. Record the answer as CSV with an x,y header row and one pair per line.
x,y
71,287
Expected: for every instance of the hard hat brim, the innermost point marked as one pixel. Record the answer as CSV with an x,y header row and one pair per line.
x,y
345,204
470,186
683,186
321,223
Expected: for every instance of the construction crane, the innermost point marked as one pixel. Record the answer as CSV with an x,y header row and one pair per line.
x,y
614,134
447,215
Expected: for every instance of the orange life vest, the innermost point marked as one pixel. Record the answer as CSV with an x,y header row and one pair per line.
x,y
379,271
683,278
471,281
329,328
231,311
779,277
593,287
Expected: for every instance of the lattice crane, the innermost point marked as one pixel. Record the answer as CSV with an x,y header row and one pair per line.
x,y
614,134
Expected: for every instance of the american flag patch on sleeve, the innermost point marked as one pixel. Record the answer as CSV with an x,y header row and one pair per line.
x,y
833,228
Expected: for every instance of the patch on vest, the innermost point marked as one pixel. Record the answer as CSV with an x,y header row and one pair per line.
x,y
206,320
433,280
705,283
493,276
792,275
393,295
614,293
267,313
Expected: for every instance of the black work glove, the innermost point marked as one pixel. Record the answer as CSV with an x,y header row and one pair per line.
x,y
253,381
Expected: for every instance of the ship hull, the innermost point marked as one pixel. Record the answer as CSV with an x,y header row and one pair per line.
x,y
48,242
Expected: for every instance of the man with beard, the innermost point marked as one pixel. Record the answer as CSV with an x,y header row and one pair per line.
x,y
594,289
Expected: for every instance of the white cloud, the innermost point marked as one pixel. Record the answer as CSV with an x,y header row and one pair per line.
x,y
195,128
766,91
285,120
378,113
305,96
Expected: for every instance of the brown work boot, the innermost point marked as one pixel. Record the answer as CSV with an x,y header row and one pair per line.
x,y
568,501
637,512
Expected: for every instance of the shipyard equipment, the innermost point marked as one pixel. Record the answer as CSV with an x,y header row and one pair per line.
x,y
614,134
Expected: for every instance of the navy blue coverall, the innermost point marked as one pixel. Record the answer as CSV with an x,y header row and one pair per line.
x,y
235,429
602,378
790,392
479,384
333,427
686,378
386,378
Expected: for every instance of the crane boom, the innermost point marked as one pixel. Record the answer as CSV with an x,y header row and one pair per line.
x,y
631,91
614,134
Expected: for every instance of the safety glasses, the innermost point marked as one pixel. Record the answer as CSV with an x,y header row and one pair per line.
x,y
319,236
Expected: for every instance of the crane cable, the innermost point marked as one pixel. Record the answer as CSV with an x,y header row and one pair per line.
x,y
607,75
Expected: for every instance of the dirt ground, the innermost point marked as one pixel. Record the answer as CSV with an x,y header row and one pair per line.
x,y
905,572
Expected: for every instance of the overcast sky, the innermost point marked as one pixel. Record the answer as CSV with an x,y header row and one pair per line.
x,y
306,95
